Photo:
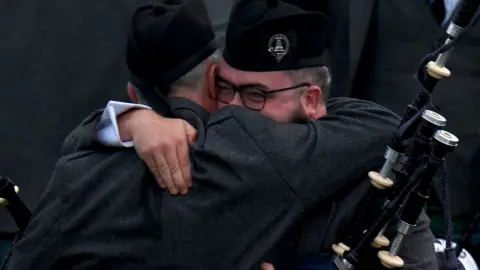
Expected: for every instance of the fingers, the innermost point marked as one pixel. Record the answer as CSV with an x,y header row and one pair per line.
x,y
175,171
183,153
167,156
191,133
164,171
149,159
184,163
152,166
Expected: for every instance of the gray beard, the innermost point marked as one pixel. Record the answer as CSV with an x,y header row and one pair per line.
x,y
299,116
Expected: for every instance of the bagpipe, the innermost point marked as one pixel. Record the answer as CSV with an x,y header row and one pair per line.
x,y
412,160
20,213
14,205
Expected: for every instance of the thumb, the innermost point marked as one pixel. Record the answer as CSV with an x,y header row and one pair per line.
x,y
191,133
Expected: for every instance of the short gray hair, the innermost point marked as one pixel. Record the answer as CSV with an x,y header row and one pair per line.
x,y
317,75
194,78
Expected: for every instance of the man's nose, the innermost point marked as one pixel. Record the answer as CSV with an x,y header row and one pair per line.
x,y
237,100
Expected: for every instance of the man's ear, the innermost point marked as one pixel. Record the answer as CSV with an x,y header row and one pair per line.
x,y
131,93
209,102
210,78
312,102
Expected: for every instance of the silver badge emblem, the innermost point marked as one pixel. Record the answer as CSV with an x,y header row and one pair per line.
x,y
278,46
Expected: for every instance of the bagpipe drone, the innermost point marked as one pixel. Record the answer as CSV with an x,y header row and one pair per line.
x,y
413,158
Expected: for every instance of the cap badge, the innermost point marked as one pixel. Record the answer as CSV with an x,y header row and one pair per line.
x,y
278,46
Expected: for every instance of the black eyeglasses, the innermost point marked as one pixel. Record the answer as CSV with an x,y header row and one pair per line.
x,y
252,95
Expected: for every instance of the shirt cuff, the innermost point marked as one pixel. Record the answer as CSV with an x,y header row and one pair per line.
x,y
107,130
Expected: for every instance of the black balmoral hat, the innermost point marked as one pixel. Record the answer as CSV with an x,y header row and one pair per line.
x,y
270,35
168,39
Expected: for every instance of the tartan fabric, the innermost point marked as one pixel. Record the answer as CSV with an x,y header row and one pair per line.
x,y
460,224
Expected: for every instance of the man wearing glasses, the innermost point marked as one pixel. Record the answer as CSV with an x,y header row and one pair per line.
x,y
254,96
290,90
260,97
262,190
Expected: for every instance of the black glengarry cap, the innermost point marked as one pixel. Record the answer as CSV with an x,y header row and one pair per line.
x,y
166,40
271,35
